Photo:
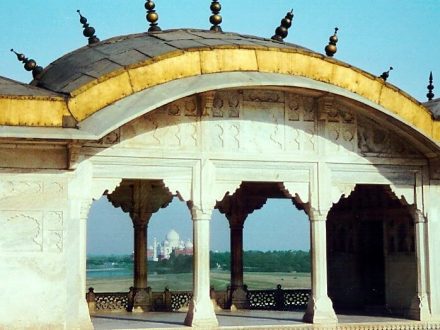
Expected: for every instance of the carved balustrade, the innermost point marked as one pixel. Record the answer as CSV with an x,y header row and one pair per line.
x,y
172,301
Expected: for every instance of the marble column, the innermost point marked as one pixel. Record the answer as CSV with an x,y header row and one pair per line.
x,y
419,309
238,294
140,198
319,308
142,301
201,310
236,209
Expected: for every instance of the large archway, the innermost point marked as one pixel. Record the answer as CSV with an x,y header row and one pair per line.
x,y
371,244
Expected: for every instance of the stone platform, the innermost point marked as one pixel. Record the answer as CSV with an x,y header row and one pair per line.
x,y
255,320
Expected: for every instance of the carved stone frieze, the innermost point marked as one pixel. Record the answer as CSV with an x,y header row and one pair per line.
x,y
108,140
227,104
376,140
14,188
300,108
300,118
173,125
263,96
260,120
186,106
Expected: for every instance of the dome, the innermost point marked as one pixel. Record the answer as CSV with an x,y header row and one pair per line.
x,y
173,237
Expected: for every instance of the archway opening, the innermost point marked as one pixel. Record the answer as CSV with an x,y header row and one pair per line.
x,y
371,252
270,242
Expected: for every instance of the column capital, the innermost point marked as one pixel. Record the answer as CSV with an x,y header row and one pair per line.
x,y
317,215
417,215
197,213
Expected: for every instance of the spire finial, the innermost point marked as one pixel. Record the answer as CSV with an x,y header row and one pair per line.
x,y
152,16
430,94
331,49
89,32
29,64
216,19
386,74
282,31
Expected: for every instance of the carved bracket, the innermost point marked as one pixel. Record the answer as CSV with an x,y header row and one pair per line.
x,y
341,190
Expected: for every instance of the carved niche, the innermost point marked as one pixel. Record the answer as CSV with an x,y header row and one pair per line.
x,y
31,231
38,230
21,231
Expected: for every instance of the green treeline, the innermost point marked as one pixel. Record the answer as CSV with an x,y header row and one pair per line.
x,y
254,261
270,261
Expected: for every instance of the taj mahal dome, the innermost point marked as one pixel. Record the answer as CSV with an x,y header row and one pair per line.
x,y
172,243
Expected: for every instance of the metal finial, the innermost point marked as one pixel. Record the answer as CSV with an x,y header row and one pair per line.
x,y
216,19
386,74
331,49
152,16
282,31
89,32
29,64
430,94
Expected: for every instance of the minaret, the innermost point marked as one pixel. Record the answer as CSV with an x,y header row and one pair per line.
x,y
155,258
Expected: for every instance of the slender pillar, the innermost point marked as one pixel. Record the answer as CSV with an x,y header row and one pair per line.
x,y
419,309
141,198
201,310
142,301
319,308
238,294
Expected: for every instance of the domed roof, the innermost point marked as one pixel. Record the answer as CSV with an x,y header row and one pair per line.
x,y
89,87
173,236
89,63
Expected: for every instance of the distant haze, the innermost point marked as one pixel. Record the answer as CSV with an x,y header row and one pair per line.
x,y
277,226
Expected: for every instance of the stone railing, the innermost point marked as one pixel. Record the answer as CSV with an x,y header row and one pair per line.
x,y
278,299
171,301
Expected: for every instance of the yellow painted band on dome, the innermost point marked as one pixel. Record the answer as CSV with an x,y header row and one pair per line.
x,y
117,85
32,111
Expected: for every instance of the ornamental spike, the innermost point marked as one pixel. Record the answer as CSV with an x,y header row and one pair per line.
x,y
331,49
430,94
89,32
282,30
152,16
216,19
29,64
386,74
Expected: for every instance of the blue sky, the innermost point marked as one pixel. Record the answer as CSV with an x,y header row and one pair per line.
x,y
373,35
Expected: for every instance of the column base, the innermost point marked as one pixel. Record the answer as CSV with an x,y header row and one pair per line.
x,y
239,299
201,314
320,311
142,301
419,309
